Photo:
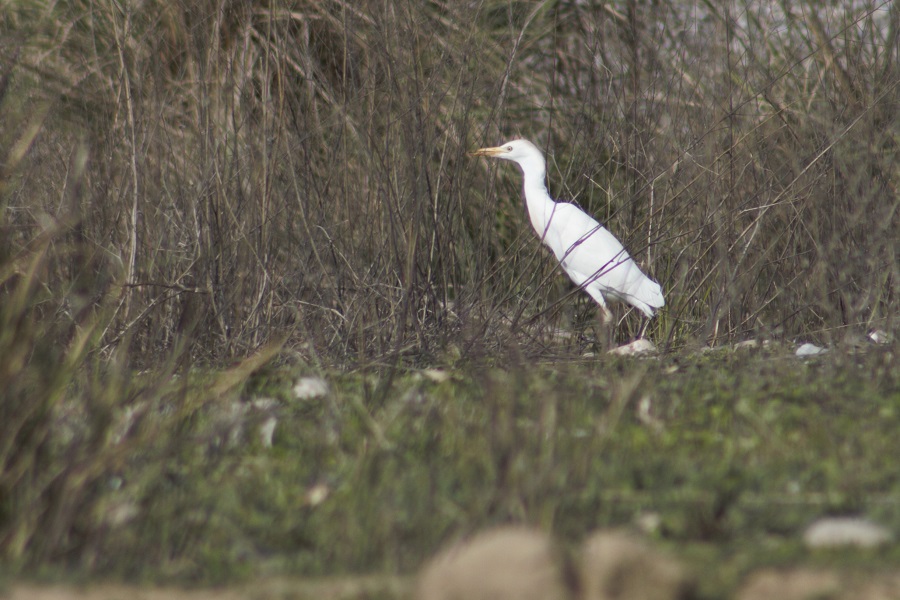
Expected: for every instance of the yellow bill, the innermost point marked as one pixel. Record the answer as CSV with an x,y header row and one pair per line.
x,y
488,151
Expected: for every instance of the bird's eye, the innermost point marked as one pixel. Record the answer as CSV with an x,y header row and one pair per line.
x,y
509,148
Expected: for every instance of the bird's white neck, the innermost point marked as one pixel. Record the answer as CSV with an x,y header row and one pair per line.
x,y
537,198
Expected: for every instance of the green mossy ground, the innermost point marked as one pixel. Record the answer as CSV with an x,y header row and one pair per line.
x,y
723,458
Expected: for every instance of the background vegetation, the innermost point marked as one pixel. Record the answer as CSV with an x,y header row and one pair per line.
x,y
186,183
258,167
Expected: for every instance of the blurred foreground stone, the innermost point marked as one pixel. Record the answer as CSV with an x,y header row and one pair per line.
x,y
790,585
503,564
523,564
620,566
816,584
834,532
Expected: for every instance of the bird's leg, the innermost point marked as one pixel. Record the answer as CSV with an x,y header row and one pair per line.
x,y
605,331
643,330
606,316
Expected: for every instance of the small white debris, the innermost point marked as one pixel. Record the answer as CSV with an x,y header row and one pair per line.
x,y
264,404
308,388
126,421
645,416
833,532
267,431
436,375
879,336
231,419
120,513
810,350
649,522
637,347
317,494
746,345
234,419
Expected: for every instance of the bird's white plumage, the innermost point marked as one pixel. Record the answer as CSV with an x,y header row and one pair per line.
x,y
591,256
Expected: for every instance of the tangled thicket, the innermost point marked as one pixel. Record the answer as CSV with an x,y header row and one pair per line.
x,y
223,172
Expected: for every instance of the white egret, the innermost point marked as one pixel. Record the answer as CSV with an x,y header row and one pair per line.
x,y
589,254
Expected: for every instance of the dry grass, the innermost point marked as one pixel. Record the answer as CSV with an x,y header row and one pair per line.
x,y
252,168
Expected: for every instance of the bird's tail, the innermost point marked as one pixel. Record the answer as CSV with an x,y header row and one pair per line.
x,y
647,297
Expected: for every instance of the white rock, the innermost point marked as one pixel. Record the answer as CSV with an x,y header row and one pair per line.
x,y
833,532
746,344
308,388
810,350
635,348
879,336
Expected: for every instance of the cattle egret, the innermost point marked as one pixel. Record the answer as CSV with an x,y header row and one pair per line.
x,y
589,254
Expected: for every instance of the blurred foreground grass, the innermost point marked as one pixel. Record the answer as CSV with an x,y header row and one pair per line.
x,y
723,457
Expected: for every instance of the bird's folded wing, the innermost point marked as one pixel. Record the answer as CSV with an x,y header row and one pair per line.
x,y
581,243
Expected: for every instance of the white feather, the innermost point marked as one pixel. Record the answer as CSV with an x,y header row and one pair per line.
x,y
591,256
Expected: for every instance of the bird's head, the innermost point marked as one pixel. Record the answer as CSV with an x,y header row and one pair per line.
x,y
519,151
